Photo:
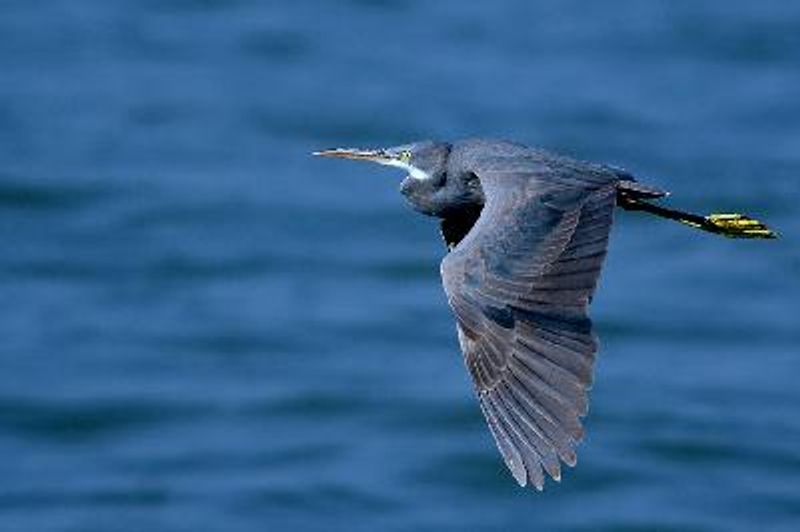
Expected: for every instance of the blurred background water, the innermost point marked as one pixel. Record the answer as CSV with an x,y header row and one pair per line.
x,y
203,328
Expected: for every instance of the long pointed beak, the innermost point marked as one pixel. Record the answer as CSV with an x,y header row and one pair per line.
x,y
356,154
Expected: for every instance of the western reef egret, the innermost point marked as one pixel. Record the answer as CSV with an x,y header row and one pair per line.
x,y
527,232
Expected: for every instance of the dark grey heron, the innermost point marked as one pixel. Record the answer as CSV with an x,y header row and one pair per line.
x,y
527,232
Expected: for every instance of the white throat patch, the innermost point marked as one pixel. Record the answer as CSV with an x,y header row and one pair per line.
x,y
414,172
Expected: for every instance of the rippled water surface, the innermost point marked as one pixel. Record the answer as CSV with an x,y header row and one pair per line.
x,y
204,328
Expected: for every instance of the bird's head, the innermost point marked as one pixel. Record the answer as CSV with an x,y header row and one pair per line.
x,y
422,160
428,187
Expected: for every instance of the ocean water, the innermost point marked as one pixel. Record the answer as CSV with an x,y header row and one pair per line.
x,y
204,328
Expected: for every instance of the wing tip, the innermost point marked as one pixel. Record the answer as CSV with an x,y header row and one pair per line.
x,y
519,473
570,458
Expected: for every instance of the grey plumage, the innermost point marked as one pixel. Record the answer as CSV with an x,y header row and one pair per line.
x,y
527,233
519,285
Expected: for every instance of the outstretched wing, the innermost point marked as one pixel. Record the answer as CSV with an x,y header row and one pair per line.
x,y
519,284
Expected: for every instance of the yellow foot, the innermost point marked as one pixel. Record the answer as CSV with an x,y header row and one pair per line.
x,y
739,226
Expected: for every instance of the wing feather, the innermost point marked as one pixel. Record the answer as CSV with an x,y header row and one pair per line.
x,y
519,284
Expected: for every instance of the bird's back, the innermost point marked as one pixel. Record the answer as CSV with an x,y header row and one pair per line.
x,y
508,161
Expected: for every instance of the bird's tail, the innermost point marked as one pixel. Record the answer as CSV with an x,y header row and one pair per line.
x,y
732,225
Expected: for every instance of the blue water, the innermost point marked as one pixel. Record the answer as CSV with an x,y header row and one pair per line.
x,y
204,328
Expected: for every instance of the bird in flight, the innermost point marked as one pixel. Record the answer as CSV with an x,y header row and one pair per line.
x,y
527,232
